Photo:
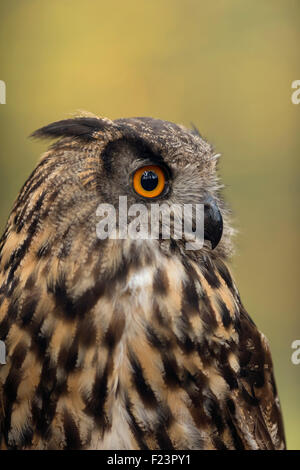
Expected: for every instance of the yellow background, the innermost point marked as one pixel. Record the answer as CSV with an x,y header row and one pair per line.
x,y
225,65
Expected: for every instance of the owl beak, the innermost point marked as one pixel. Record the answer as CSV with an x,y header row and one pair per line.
x,y
213,222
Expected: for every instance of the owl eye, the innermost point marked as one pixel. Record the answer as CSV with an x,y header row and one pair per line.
x,y
149,181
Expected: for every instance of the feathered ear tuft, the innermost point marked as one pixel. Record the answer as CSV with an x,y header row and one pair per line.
x,y
81,127
195,130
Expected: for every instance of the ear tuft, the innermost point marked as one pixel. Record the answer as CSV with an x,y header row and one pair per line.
x,y
195,130
81,127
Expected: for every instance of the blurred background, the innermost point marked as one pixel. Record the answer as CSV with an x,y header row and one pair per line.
x,y
227,66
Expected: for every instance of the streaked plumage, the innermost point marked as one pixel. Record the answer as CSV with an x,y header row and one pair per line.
x,y
122,344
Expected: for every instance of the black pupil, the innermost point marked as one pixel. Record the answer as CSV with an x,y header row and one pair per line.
x,y
149,180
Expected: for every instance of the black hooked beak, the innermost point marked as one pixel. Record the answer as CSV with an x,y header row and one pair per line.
x,y
213,222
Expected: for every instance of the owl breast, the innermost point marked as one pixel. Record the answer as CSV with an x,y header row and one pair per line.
x,y
152,354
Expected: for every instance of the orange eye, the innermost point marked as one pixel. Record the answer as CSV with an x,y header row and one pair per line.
x,y
149,181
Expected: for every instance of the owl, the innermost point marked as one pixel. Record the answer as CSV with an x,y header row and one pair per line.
x,y
122,342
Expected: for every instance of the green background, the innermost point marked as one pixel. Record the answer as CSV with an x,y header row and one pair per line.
x,y
225,65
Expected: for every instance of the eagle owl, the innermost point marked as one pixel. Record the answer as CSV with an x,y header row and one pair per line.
x,y
123,343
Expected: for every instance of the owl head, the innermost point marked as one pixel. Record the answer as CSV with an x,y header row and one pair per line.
x,y
96,161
